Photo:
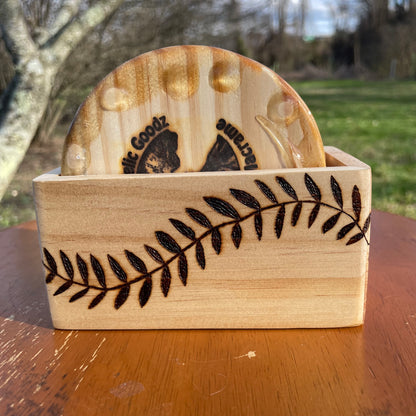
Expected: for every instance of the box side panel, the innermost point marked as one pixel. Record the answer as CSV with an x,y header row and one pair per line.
x,y
263,250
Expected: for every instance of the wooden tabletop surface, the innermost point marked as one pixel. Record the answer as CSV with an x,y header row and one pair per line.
x,y
368,370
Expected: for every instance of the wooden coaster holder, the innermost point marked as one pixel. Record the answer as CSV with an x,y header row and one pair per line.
x,y
277,248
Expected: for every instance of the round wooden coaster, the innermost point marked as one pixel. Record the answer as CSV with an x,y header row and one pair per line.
x,y
187,109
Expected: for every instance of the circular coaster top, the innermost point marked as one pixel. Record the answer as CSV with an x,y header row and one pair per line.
x,y
189,109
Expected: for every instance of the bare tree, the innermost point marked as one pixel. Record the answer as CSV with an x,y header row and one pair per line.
x,y
343,13
380,12
412,7
374,13
301,17
282,16
38,58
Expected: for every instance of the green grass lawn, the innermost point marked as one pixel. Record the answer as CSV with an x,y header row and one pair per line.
x,y
375,122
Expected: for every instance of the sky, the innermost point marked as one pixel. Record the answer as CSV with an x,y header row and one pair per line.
x,y
320,20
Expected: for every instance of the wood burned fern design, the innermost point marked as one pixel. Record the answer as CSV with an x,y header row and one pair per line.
x,y
213,234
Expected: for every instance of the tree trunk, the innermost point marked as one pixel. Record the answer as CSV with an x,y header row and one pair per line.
x,y
282,17
23,110
26,99
380,12
412,8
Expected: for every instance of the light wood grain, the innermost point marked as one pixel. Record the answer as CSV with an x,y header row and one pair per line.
x,y
367,370
262,276
185,97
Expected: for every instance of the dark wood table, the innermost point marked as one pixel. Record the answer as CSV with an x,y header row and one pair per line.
x,y
368,370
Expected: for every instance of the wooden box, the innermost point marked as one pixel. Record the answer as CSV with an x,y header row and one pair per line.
x,y
284,248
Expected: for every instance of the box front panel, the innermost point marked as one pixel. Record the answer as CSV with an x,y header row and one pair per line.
x,y
284,248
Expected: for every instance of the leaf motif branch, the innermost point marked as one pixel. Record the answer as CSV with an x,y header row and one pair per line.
x,y
214,232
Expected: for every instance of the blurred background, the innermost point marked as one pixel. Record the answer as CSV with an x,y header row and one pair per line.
x,y
352,61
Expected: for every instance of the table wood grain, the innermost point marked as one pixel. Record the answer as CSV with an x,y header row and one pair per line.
x,y
368,370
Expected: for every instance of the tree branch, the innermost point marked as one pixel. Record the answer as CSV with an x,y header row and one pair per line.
x,y
16,33
74,32
67,12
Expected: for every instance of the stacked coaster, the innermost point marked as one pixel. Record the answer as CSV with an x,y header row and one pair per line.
x,y
191,109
